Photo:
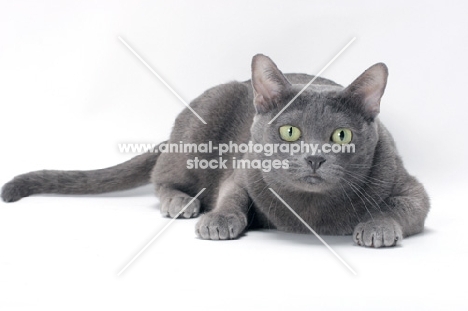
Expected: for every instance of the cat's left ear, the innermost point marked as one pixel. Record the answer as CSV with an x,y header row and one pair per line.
x,y
268,83
367,90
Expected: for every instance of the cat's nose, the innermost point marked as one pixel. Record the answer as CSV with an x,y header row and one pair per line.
x,y
315,161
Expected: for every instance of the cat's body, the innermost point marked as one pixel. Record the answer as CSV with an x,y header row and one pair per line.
x,y
368,193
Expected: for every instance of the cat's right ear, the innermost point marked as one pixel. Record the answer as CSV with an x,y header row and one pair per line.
x,y
268,83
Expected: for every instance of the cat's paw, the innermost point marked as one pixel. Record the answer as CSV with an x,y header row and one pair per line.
x,y
170,207
378,233
15,190
221,225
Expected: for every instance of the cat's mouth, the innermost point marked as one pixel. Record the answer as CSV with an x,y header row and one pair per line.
x,y
313,179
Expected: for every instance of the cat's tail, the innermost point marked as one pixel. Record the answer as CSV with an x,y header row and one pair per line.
x,y
131,174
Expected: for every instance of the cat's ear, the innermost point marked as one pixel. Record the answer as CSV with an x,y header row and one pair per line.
x,y
367,90
268,83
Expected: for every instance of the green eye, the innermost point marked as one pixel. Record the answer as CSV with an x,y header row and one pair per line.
x,y
289,133
342,136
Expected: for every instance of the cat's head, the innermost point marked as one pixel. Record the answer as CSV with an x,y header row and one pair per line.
x,y
325,115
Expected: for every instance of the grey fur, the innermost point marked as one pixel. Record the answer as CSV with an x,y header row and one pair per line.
x,y
127,175
368,194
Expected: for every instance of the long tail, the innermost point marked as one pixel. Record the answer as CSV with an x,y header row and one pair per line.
x,y
133,173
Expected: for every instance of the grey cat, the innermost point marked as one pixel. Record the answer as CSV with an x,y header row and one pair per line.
x,y
368,193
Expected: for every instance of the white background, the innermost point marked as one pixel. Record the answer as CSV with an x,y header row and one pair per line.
x,y
70,91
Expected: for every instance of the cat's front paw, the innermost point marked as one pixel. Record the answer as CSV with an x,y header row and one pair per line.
x,y
378,233
221,225
170,207
15,190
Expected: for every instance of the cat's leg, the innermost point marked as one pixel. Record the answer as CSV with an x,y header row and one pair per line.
x,y
175,186
229,218
380,231
173,201
402,215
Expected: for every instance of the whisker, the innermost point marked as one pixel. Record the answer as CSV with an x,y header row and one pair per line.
x,y
353,189
350,201
389,208
368,196
368,178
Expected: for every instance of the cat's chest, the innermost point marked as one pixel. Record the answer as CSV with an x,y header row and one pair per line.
x,y
286,211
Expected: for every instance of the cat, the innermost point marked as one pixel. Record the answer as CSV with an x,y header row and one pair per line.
x,y
367,194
